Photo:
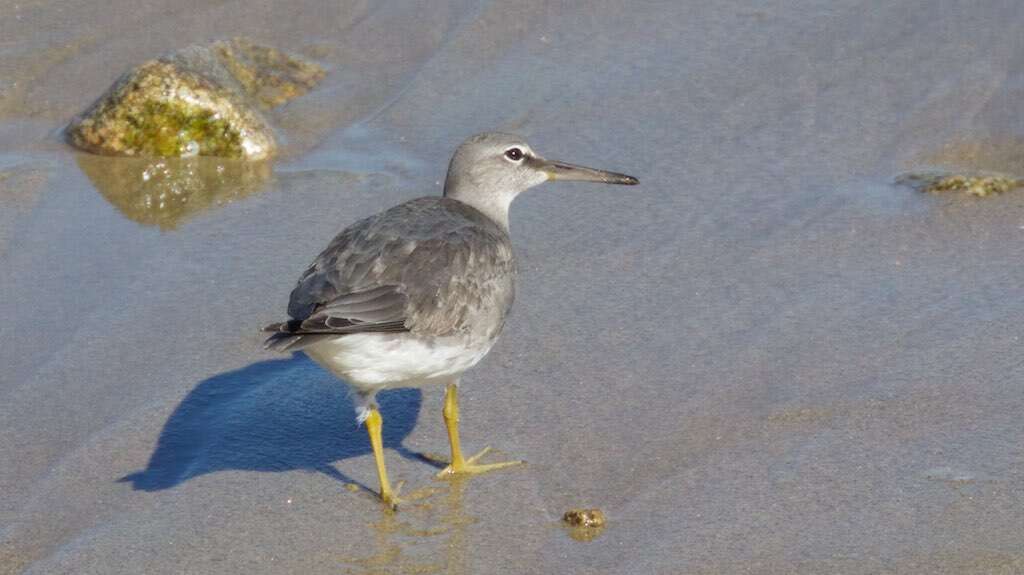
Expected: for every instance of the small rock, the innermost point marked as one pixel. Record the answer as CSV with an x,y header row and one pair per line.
x,y
977,184
201,100
584,518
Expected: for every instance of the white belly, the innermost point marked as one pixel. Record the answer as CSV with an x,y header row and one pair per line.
x,y
375,361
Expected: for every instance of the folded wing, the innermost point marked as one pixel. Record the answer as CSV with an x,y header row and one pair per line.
x,y
432,266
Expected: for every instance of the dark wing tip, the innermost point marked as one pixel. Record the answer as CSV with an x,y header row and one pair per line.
x,y
284,336
281,342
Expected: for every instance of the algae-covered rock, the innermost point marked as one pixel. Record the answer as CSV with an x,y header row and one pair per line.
x,y
165,192
199,101
164,109
973,184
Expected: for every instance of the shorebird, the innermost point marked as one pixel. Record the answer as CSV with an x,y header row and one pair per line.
x,y
419,293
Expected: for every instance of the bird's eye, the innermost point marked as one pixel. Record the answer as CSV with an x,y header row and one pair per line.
x,y
514,154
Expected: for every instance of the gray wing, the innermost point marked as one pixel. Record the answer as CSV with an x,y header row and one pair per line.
x,y
431,266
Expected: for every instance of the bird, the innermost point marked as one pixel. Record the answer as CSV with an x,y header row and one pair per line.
x,y
418,294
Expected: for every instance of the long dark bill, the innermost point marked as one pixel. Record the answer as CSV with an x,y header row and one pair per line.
x,y
561,171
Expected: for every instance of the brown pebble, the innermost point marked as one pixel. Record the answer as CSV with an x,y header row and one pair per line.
x,y
584,518
584,524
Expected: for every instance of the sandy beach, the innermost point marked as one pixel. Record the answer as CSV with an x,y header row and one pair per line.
x,y
767,358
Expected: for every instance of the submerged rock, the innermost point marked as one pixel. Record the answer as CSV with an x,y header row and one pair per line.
x,y
976,184
199,101
269,76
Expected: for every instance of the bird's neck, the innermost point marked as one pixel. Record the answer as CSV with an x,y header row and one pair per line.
x,y
493,203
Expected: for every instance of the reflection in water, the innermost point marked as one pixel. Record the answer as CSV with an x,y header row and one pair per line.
x,y
165,192
422,538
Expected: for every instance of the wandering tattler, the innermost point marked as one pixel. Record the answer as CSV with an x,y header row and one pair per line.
x,y
419,293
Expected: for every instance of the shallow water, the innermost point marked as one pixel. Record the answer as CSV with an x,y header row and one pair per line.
x,y
764,359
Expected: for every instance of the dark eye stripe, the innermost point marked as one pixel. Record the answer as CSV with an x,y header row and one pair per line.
x,y
514,154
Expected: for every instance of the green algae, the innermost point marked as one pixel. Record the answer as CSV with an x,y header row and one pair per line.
x,y
172,129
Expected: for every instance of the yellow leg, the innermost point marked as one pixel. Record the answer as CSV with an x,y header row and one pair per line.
x,y
373,426
459,464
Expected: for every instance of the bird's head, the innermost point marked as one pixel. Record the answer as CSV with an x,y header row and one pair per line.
x,y
489,170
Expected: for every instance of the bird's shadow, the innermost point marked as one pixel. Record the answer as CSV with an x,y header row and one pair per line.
x,y
277,415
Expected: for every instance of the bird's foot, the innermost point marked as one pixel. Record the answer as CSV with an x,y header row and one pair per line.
x,y
392,501
389,496
471,467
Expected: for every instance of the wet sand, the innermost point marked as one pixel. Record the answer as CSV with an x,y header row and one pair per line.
x,y
767,358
